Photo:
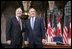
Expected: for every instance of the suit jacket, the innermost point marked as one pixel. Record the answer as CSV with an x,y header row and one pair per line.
x,y
35,35
13,31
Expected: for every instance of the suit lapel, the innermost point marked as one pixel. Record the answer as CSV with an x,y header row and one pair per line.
x,y
35,22
29,24
17,22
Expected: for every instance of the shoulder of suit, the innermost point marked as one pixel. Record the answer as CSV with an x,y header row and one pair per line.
x,y
12,17
38,17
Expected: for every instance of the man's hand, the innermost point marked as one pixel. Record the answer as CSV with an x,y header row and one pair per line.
x,y
8,42
26,42
44,41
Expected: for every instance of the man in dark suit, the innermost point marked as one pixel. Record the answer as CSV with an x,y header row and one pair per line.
x,y
35,30
14,30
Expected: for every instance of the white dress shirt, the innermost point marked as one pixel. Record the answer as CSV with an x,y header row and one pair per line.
x,y
32,20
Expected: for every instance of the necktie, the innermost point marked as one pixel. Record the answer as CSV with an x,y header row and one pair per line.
x,y
32,22
20,23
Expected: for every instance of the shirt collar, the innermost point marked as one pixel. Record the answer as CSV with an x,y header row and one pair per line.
x,y
17,18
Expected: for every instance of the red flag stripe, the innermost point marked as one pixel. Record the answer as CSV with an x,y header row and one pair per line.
x,y
65,35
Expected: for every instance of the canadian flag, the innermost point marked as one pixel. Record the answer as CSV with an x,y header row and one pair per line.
x,y
58,29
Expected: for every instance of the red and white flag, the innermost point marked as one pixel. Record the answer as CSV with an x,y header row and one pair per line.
x,y
69,34
50,32
65,33
58,29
